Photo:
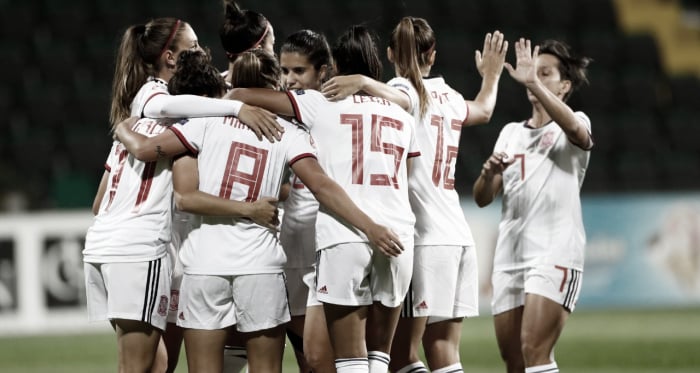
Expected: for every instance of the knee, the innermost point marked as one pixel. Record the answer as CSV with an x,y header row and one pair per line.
x,y
318,360
534,353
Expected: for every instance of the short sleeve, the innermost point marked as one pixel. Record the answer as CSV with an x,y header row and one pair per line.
x,y
191,133
306,104
302,146
503,137
405,86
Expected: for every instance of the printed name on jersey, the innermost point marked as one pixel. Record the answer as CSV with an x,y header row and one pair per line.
x,y
359,99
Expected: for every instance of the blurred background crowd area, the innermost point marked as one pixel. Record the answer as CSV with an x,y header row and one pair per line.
x,y
58,61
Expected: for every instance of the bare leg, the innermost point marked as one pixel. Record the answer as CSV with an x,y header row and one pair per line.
x,y
317,344
172,339
406,343
507,326
160,362
137,344
204,349
543,321
295,332
265,350
381,325
441,343
346,329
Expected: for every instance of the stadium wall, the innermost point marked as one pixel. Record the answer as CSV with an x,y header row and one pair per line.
x,y
643,251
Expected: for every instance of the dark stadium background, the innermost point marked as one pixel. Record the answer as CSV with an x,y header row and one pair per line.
x,y
58,60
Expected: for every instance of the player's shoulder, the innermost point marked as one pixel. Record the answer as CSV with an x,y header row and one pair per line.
x,y
401,83
306,93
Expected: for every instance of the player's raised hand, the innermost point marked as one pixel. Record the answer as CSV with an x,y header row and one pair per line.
x,y
264,212
384,239
262,122
525,71
495,165
340,87
490,63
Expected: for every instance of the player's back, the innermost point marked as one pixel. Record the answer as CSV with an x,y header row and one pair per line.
x,y
234,164
133,221
439,217
363,144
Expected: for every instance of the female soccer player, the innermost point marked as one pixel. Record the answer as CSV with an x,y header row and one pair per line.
x,y
305,59
146,60
251,169
539,164
365,143
444,288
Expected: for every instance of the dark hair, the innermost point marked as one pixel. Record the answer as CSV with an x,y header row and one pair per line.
x,y
241,30
138,58
571,67
412,42
311,44
195,75
355,52
256,68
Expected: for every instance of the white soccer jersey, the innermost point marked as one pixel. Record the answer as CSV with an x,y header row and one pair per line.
x,y
439,216
363,143
541,219
153,87
133,223
234,164
298,230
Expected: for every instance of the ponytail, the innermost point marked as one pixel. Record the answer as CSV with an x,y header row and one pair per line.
x,y
412,42
138,57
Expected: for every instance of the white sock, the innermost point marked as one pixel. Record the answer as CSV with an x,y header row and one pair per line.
x,y
454,368
352,365
547,368
416,367
378,362
235,359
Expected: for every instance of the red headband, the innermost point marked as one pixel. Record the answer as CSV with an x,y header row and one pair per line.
x,y
255,45
170,38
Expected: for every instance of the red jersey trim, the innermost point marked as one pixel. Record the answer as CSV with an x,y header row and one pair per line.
x,y
413,155
183,140
300,157
108,167
295,107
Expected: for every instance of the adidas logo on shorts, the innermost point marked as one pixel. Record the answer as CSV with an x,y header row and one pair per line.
x,y
323,290
422,306
181,316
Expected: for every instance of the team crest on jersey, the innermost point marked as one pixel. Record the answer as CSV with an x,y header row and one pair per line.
x,y
547,140
163,305
299,92
174,299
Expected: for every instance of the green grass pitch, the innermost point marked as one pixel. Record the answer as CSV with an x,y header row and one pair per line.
x,y
641,341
